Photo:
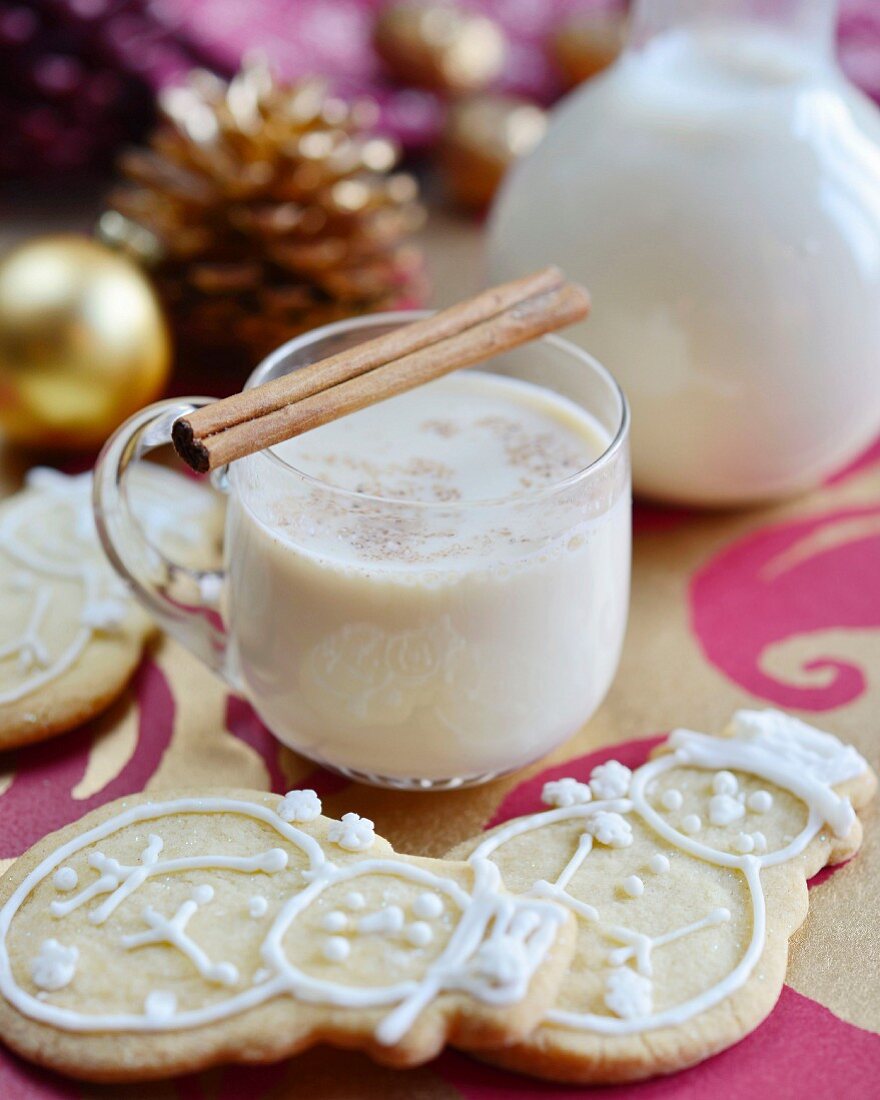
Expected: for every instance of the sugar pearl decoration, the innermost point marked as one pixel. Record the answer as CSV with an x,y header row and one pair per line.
x,y
334,921
724,783
691,824
65,879
671,799
418,933
335,949
759,802
257,906
743,843
428,906
760,842
355,900
633,886
658,863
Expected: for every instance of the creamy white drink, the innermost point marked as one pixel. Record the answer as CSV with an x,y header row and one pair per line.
x,y
434,594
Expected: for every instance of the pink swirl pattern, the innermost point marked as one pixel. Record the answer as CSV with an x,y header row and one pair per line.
x,y
815,574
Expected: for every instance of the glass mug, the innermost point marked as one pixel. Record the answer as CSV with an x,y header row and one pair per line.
x,y
418,677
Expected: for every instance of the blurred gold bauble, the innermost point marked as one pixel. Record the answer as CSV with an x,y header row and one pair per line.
x,y
439,46
83,342
586,43
484,135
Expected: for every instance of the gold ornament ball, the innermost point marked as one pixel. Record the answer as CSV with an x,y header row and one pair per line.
x,y
439,46
483,136
83,342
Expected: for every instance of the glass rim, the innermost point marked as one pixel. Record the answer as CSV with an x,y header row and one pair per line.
x,y
398,317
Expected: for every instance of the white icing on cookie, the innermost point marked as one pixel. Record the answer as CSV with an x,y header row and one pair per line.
x,y
628,994
610,780
419,933
65,879
354,833
55,965
565,792
384,922
658,863
633,886
782,750
428,906
724,809
610,828
760,802
334,921
172,931
160,1006
495,942
481,922
335,949
299,806
691,823
671,799
724,782
258,906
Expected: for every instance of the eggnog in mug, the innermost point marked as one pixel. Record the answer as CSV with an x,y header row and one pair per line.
x,y
432,590
425,593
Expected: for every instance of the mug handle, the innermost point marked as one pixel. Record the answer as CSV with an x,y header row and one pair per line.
x,y
184,601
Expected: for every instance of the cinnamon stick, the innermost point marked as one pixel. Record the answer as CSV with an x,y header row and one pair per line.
x,y
489,324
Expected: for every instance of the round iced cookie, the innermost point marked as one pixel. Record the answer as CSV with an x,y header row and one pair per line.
x,y
71,634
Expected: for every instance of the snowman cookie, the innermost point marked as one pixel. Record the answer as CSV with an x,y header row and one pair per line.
x,y
70,633
159,936
687,877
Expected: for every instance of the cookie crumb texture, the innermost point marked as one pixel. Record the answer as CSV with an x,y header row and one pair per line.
x,y
157,937
684,916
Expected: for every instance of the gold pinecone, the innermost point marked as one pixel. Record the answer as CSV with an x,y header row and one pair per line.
x,y
265,210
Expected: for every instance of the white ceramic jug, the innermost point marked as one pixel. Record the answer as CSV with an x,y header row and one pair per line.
x,y
718,190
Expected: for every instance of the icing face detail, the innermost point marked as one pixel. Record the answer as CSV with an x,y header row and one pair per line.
x,y
299,806
54,967
353,833
489,943
784,751
565,792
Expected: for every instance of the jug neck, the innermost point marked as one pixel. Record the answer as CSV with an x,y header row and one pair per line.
x,y
809,24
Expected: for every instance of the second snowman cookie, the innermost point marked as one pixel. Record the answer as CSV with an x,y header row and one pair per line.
x,y
687,877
